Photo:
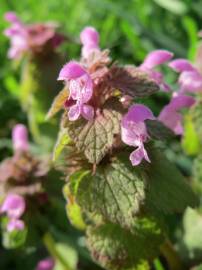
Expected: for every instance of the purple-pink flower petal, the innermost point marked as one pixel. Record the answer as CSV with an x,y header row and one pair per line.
x,y
13,206
139,113
134,131
180,65
71,70
190,81
45,264
11,17
74,112
89,36
87,112
156,58
138,155
15,224
20,138
170,115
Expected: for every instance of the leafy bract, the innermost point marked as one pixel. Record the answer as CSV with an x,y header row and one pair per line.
x,y
97,136
131,81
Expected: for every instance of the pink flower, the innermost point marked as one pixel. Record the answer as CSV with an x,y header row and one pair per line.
x,y
15,224
80,90
90,40
13,206
152,60
190,80
180,65
20,138
170,114
134,131
45,264
25,38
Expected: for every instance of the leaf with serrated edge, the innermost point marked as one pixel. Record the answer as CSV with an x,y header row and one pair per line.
x,y
115,248
116,192
96,137
131,81
58,103
167,189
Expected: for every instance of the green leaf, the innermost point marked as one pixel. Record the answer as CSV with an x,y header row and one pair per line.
x,y
116,192
158,131
62,141
167,190
191,244
115,248
131,81
190,140
175,6
96,137
58,103
73,210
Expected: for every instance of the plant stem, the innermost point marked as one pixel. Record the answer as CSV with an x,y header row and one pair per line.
x,y
171,256
50,245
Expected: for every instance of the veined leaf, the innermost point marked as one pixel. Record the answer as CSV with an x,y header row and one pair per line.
x,y
131,81
115,248
96,137
116,192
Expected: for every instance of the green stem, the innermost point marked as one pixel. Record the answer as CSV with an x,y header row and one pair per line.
x,y
50,245
171,256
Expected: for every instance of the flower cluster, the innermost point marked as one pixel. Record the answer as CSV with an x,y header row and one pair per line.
x,y
14,206
20,177
80,90
92,81
34,37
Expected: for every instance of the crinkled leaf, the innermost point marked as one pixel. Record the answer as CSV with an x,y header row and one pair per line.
x,y
116,192
131,81
96,137
62,141
115,248
158,131
167,190
58,103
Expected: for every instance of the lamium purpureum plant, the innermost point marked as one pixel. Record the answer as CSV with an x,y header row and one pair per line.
x,y
22,179
35,46
119,185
